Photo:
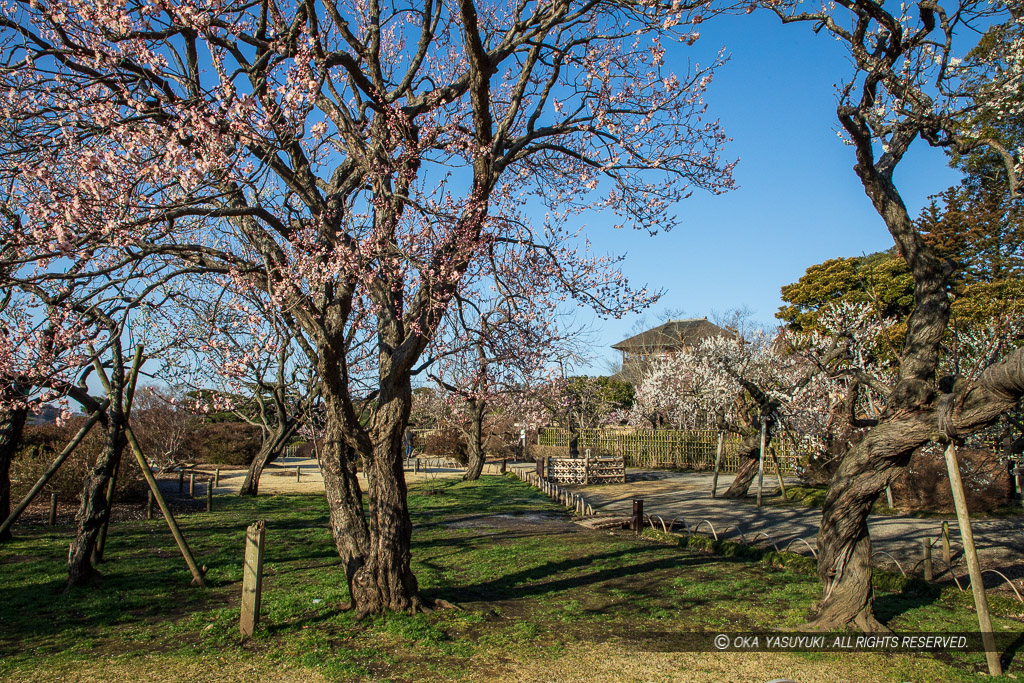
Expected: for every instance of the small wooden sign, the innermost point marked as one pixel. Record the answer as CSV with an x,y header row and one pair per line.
x,y
252,579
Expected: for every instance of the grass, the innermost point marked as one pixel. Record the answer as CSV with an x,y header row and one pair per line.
x,y
541,599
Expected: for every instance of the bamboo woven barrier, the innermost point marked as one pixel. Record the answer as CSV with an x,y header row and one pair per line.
x,y
692,449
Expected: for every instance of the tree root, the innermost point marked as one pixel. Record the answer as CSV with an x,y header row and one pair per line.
x,y
864,621
417,606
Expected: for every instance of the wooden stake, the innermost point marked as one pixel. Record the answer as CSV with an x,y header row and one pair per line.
x,y
216,477
129,397
947,556
53,509
995,667
52,469
760,465
192,485
252,579
927,546
197,574
778,471
181,481
209,496
637,522
149,505
298,474
718,463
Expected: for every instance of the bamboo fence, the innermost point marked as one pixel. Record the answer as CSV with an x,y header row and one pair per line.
x,y
692,449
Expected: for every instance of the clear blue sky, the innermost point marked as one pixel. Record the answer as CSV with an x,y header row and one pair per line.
x,y
798,202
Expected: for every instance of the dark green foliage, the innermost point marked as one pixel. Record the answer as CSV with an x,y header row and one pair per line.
x,y
228,443
882,279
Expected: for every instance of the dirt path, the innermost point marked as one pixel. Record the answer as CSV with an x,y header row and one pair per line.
x,y
279,476
687,495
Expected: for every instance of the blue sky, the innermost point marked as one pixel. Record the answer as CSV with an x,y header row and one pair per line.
x,y
799,201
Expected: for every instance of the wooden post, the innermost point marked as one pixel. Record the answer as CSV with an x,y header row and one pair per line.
x,y
778,471
947,556
149,505
417,465
637,522
252,579
216,478
995,667
298,474
888,497
718,463
928,572
192,485
586,467
760,465
197,574
52,469
181,481
209,496
53,509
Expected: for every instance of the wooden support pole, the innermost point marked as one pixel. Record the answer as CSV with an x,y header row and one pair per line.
x,y
181,481
947,556
928,571
53,509
129,397
101,538
209,496
149,505
52,469
192,485
995,667
216,478
252,579
298,474
888,497
718,463
760,464
197,574
778,471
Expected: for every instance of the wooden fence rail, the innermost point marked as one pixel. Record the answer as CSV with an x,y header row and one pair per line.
x,y
673,449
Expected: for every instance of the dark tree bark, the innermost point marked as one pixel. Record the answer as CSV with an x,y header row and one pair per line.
x,y
911,415
12,424
475,440
270,451
93,510
749,453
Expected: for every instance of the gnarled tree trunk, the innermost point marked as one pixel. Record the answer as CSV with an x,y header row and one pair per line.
x,y
749,453
270,451
93,510
475,441
12,423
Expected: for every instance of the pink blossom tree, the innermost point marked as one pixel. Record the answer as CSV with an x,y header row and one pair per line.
x,y
349,160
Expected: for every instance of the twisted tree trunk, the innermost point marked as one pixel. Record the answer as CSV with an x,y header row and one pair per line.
x,y
270,451
475,441
844,548
94,510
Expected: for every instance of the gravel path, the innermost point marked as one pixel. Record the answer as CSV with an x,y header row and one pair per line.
x,y
1000,542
